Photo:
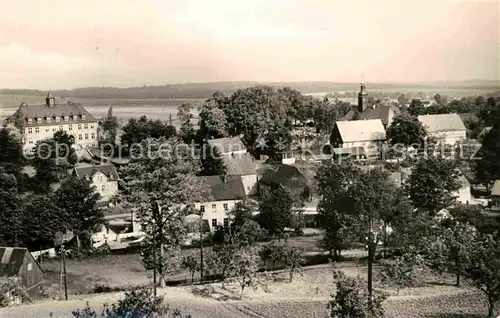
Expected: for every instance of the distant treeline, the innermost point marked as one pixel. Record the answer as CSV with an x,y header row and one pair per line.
x,y
205,90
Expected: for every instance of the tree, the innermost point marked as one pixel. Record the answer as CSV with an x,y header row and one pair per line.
x,y
191,263
212,163
476,216
402,100
186,132
79,202
273,252
11,207
11,152
137,302
433,184
11,288
41,220
110,125
333,179
416,108
489,113
406,130
292,261
487,169
352,300
403,271
485,271
159,186
53,157
459,240
246,265
213,121
222,260
277,211
136,131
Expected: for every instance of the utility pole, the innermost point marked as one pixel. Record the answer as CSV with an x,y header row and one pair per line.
x,y
201,246
370,260
154,259
63,254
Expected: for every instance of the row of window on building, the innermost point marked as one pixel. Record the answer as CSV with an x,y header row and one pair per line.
x,y
215,223
56,118
214,207
80,137
70,127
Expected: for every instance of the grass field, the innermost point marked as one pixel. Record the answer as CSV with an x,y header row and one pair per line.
x,y
307,296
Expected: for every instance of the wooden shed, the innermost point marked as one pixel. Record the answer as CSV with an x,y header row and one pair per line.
x,y
18,262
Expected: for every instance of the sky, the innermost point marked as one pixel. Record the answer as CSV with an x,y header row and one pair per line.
x,y
63,44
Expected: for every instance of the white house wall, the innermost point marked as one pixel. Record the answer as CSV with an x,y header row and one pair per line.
x,y
450,137
219,213
85,134
250,184
105,187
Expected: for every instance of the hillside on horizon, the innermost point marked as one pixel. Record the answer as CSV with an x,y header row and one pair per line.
x,y
205,90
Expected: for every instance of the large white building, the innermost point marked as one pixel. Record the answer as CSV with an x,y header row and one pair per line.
x,y
41,121
448,128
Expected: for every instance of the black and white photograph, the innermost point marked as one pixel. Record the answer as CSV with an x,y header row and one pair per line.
x,y
249,158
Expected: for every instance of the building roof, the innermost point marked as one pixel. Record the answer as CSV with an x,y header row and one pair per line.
x,y
12,259
495,191
442,122
285,175
108,169
382,112
43,111
225,187
49,95
361,130
227,145
239,164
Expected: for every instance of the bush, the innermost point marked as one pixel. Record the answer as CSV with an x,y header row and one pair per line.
x,y
11,290
404,271
138,302
352,300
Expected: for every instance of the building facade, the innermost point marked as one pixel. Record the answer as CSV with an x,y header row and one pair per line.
x,y
448,128
103,177
226,191
41,121
368,134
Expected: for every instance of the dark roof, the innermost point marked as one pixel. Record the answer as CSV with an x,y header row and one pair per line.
x,y
227,145
239,164
49,95
380,112
285,175
231,189
12,259
43,111
108,169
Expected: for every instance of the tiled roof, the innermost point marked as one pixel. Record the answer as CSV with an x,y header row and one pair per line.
x,y
43,111
496,189
285,175
442,122
361,130
11,260
107,169
227,145
239,164
225,187
380,112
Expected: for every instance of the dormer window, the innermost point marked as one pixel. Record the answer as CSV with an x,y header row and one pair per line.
x,y
58,119
75,117
66,118
83,117
48,119
39,120
30,121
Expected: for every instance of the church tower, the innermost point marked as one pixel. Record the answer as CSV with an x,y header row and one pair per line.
x,y
362,98
50,101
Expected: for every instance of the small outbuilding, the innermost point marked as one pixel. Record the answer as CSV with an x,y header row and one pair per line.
x,y
18,262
